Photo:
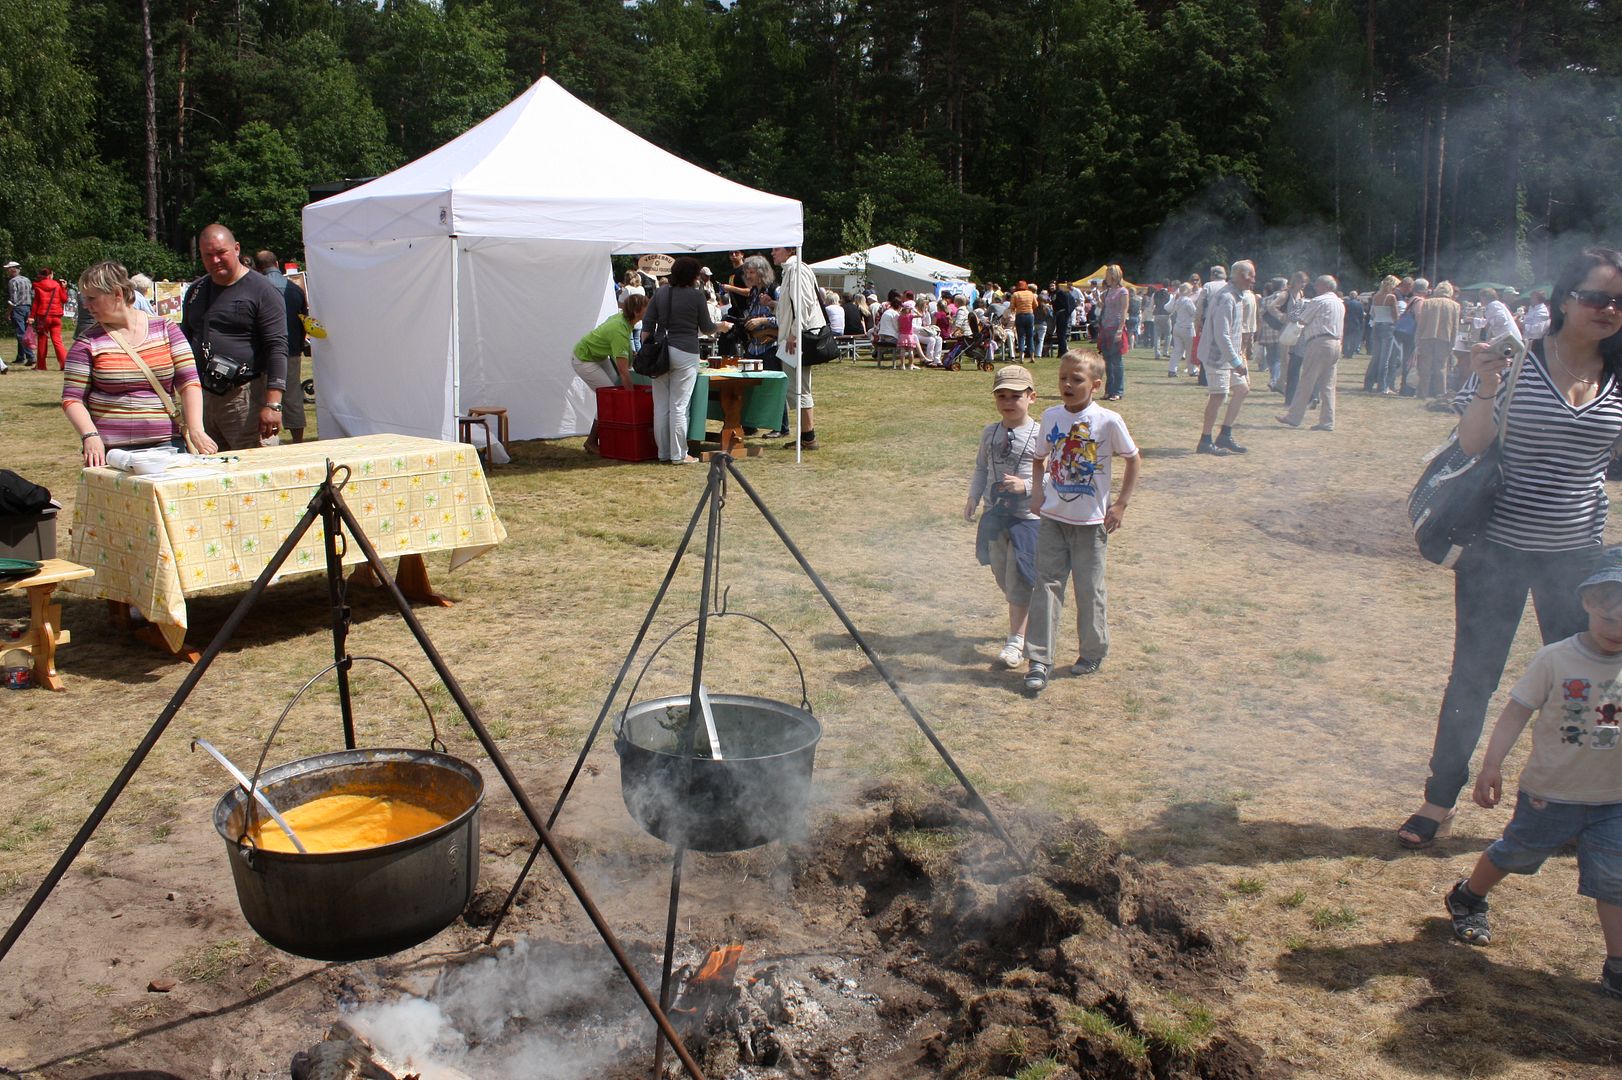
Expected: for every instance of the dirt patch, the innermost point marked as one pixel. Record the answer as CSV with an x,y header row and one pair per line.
x,y
939,956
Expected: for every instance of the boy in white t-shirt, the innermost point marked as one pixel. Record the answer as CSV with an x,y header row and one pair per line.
x,y
1080,440
1571,787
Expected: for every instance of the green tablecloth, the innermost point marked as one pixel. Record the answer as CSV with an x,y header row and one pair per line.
x,y
762,404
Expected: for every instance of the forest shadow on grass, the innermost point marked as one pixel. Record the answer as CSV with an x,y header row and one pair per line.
x,y
1480,1016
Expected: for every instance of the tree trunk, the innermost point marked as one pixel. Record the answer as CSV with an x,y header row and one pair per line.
x,y
1368,101
149,77
1512,124
1424,188
1434,241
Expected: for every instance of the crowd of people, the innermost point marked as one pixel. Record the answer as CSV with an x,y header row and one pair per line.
x,y
1541,378
225,375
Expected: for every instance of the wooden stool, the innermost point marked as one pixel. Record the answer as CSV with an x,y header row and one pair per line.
x,y
464,433
45,618
501,420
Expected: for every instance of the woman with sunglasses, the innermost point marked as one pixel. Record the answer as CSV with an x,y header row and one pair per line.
x,y
1547,526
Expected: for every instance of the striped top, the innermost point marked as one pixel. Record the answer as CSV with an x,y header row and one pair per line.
x,y
101,376
1554,460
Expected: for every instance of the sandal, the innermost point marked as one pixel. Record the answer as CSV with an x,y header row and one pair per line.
x,y
1469,915
591,448
1425,830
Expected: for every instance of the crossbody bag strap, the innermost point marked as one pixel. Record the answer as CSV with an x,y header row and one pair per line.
x,y
169,405
1509,397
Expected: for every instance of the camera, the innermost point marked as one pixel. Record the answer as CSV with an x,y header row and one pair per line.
x,y
222,374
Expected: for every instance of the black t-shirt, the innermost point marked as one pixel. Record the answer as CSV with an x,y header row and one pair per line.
x,y
855,321
247,318
739,304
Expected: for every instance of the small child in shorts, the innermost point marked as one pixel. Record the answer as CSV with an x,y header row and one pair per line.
x,y
1002,477
1079,441
1571,787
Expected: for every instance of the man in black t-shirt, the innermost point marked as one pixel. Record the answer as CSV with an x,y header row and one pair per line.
x,y
236,314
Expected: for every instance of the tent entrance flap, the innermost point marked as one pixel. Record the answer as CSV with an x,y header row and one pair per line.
x,y
384,366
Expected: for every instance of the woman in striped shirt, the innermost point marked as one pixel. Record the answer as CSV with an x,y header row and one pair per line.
x,y
108,399
1548,525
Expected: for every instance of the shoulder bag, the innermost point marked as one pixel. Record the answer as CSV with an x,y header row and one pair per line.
x,y
1454,497
170,405
817,344
653,358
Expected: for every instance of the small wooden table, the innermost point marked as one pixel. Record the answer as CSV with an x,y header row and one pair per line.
x,y
731,389
45,618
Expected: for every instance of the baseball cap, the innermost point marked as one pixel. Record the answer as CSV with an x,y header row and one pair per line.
x,y
12,265
1609,569
1014,377
704,270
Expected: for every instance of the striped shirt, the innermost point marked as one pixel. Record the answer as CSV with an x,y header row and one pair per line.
x,y
101,376
1554,462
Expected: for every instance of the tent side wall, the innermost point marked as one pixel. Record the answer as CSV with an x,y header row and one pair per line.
x,y
385,365
524,303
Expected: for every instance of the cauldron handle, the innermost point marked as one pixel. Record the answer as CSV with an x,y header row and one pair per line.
x,y
805,698
434,743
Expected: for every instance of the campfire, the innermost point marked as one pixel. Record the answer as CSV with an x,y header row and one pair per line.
x,y
946,960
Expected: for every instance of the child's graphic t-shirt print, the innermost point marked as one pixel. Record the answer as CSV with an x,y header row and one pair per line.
x,y
1080,448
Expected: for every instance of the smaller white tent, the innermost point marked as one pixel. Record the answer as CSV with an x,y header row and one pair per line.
x,y
887,267
465,277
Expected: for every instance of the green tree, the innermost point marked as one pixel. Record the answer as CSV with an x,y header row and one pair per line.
x,y
54,184
255,185
439,73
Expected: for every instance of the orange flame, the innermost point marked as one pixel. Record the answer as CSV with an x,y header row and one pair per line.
x,y
720,966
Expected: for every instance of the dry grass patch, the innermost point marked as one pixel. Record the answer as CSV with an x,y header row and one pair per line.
x,y
1260,727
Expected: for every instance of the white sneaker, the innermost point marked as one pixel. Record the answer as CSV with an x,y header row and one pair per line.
x,y
1011,656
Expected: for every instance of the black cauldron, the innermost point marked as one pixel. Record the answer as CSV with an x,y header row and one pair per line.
x,y
356,905
756,794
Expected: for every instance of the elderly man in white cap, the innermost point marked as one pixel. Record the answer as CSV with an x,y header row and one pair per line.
x,y
19,298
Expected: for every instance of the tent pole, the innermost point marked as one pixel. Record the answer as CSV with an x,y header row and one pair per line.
x,y
456,337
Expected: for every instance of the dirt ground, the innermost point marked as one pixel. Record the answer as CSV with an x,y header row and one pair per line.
x,y
1258,731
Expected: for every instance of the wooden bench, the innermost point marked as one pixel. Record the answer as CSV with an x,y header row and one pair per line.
x,y
44,618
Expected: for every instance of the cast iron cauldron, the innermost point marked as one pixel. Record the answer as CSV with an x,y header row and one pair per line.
x,y
356,905
755,795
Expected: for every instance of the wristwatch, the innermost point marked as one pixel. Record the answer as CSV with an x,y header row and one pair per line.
x,y
274,406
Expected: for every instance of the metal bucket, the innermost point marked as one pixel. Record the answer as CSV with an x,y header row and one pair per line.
x,y
756,794
356,905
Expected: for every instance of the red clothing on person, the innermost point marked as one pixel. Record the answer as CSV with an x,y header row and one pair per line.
x,y
49,297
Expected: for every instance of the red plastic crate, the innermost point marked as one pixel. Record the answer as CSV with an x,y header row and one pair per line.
x,y
626,442
616,405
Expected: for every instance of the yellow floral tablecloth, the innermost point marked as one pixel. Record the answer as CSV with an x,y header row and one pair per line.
x,y
154,540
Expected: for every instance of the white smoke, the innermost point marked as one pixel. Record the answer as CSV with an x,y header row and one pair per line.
x,y
535,1011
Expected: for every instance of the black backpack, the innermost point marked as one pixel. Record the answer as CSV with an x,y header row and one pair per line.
x,y
19,496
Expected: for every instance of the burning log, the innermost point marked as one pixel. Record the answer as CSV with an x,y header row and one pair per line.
x,y
708,991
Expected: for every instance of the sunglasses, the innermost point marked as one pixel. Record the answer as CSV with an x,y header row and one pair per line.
x,y
1596,300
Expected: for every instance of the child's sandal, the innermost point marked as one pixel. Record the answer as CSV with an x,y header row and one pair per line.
x,y
1468,915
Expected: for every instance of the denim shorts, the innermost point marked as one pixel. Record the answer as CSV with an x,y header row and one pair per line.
x,y
1538,831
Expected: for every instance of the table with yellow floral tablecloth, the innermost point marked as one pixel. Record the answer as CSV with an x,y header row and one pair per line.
x,y
154,540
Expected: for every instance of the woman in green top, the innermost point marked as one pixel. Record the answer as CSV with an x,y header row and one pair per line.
x,y
603,357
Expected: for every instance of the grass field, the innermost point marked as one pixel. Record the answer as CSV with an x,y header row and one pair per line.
x,y
1261,725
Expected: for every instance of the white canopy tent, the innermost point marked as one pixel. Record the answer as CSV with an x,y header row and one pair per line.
x,y
887,267
464,278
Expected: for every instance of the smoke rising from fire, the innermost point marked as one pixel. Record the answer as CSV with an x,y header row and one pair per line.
x,y
496,1018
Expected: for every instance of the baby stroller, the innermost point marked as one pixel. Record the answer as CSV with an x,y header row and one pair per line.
x,y
977,347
